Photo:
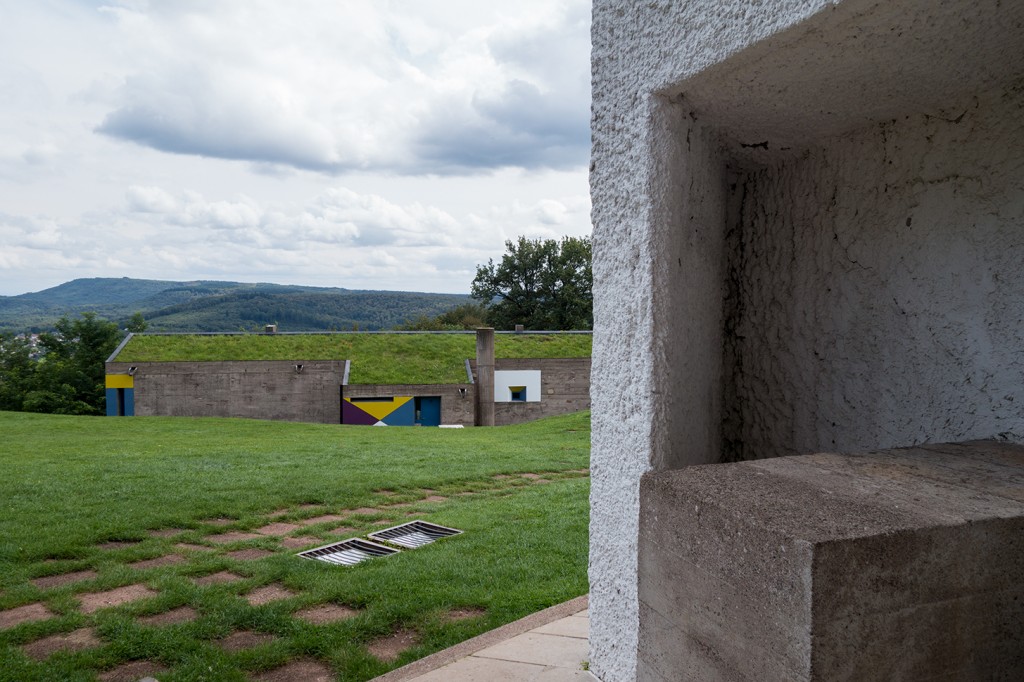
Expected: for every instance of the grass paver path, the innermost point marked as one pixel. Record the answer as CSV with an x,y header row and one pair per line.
x,y
192,489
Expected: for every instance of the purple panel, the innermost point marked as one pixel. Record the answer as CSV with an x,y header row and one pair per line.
x,y
350,414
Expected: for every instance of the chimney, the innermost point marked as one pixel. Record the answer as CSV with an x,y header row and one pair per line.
x,y
484,376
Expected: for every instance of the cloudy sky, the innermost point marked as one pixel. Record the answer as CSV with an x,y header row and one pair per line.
x,y
383,144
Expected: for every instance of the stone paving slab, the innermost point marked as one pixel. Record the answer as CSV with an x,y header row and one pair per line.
x,y
546,650
567,627
94,601
78,640
23,614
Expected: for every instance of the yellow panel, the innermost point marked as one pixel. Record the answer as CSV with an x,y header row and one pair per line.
x,y
120,381
379,408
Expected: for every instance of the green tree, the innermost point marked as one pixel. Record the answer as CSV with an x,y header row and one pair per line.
x,y
17,371
137,323
69,378
459,318
541,284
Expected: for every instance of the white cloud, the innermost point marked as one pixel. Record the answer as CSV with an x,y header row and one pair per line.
x,y
356,86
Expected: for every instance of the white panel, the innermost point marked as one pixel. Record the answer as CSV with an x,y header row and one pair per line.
x,y
503,379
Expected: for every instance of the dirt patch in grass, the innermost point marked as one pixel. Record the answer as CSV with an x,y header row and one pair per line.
x,y
464,613
305,670
389,648
384,491
166,532
343,530
383,522
399,505
189,547
182,614
218,578
94,601
228,538
299,543
130,672
245,639
268,593
166,560
278,513
326,613
49,581
78,640
278,528
118,544
248,554
541,480
435,498
326,518
24,614
532,477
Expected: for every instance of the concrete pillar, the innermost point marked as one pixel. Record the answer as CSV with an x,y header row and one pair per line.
x,y
485,376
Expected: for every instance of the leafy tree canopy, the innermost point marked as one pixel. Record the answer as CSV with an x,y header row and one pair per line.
x,y
542,284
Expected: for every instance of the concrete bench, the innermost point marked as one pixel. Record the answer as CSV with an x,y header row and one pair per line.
x,y
903,564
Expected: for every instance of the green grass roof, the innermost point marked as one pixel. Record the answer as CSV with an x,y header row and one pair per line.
x,y
376,358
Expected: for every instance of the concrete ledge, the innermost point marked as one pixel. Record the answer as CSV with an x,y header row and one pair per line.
x,y
490,638
902,564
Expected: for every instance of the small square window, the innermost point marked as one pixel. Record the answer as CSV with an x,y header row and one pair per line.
x,y
518,393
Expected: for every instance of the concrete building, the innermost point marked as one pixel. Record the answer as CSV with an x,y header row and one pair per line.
x,y
518,390
808,236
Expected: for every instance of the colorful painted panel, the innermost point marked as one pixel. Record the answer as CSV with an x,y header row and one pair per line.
x,y
120,402
398,411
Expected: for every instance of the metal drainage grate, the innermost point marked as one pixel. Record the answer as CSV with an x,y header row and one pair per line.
x,y
414,534
348,552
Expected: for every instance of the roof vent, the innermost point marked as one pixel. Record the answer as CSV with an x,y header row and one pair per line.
x,y
414,534
348,552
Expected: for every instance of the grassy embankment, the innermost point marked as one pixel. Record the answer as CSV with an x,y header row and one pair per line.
x,y
72,484
376,358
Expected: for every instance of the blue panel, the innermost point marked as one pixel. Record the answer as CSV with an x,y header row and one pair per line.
x,y
111,402
429,411
129,402
403,416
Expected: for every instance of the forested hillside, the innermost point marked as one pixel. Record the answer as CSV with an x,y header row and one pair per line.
x,y
220,306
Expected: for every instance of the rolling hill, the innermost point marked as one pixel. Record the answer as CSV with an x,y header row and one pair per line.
x,y
209,306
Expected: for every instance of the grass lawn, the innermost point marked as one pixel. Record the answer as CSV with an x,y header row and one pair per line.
x,y
376,358
84,499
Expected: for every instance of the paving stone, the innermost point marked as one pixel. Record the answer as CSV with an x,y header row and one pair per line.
x,y
132,672
49,581
532,477
389,648
435,498
118,544
326,613
221,521
365,511
278,528
78,640
301,542
166,560
567,627
94,601
218,578
474,669
539,649
182,614
268,593
304,670
28,613
245,639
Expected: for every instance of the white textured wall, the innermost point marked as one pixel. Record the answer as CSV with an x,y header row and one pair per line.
x,y
719,121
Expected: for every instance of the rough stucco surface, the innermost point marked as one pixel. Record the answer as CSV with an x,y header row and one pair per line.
x,y
880,287
809,92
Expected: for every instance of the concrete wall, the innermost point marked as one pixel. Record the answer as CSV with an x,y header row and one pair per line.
x,y
456,407
564,387
253,389
758,289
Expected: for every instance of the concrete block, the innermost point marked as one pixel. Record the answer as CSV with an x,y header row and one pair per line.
x,y
902,564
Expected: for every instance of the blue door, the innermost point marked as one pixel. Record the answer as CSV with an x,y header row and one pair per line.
x,y
428,411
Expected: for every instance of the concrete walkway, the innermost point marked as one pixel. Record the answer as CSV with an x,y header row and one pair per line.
x,y
548,646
